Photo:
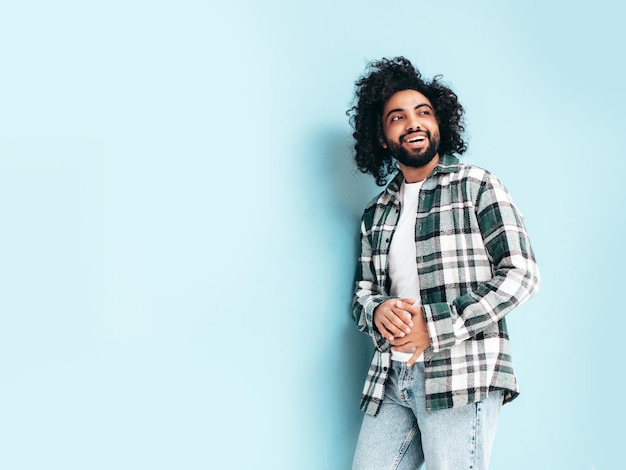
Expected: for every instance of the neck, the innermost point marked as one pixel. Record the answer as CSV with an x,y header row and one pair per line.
x,y
415,175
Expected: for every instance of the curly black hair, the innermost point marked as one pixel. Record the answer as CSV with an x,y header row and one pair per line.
x,y
382,79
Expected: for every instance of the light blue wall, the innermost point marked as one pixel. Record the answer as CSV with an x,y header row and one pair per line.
x,y
179,216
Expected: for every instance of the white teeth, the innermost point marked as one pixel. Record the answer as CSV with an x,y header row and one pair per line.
x,y
416,139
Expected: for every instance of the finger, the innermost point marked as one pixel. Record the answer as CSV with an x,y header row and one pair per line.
x,y
383,331
409,307
403,344
413,359
393,329
398,322
380,315
403,318
392,326
400,344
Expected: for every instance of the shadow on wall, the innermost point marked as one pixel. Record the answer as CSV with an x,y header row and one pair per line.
x,y
348,188
340,192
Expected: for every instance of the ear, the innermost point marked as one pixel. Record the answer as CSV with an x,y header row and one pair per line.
x,y
381,136
381,140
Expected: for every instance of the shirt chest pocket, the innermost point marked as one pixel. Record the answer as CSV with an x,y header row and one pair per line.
x,y
451,254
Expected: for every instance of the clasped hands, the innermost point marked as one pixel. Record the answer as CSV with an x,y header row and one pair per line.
x,y
402,323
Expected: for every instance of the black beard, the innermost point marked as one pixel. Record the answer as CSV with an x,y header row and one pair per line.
x,y
415,160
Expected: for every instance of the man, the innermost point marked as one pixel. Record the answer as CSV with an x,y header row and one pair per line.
x,y
444,257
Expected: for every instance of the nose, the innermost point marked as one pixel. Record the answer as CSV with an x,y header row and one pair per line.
x,y
413,124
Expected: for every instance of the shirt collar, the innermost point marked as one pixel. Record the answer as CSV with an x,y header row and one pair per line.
x,y
447,164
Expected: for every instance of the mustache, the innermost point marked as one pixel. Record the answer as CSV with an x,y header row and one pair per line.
x,y
413,133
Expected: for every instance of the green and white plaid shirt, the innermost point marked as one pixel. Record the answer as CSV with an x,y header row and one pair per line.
x,y
474,263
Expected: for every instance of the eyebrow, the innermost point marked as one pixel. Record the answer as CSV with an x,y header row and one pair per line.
x,y
399,110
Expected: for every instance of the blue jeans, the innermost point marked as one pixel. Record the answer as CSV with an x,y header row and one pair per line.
x,y
405,436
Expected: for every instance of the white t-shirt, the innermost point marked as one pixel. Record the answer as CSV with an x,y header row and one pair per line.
x,y
402,255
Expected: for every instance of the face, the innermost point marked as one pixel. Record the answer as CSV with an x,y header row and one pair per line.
x,y
411,131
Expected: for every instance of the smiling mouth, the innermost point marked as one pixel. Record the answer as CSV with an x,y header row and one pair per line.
x,y
414,138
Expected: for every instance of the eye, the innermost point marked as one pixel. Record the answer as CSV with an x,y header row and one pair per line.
x,y
425,112
396,117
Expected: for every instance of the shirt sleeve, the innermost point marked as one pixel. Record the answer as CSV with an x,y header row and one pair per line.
x,y
515,272
367,295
